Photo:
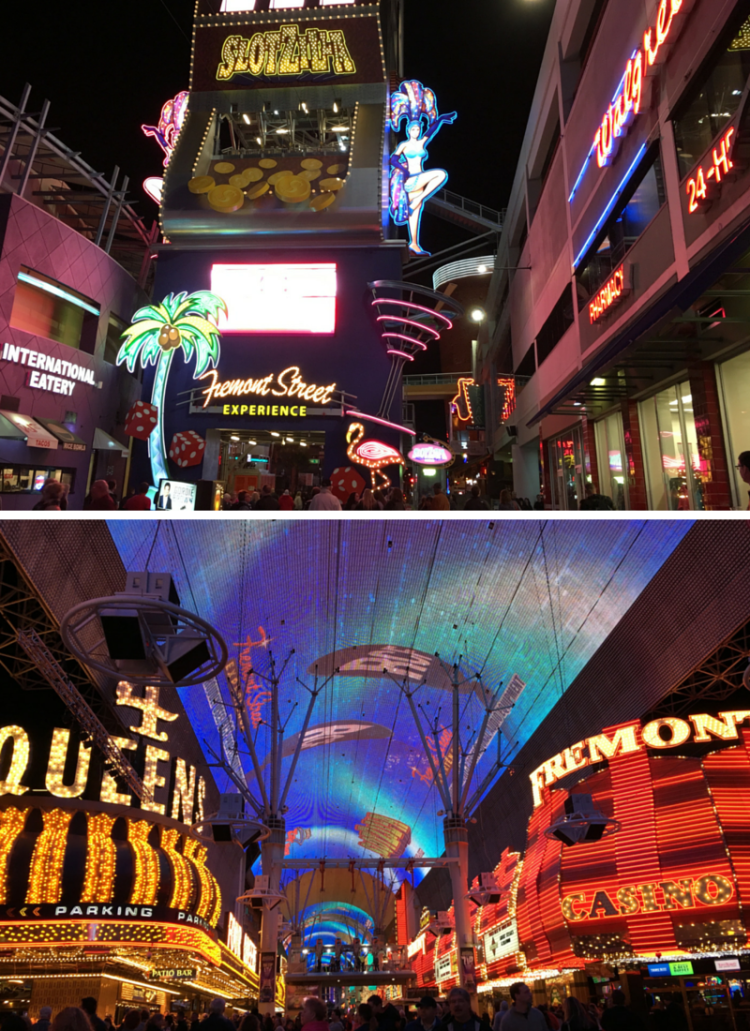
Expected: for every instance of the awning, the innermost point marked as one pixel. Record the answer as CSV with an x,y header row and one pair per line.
x,y
10,432
69,441
34,434
103,442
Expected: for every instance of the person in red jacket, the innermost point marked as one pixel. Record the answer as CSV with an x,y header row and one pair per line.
x,y
286,502
140,501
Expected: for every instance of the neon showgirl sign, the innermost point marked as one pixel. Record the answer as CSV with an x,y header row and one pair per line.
x,y
411,185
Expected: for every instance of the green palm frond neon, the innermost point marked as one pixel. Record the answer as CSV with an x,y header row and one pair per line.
x,y
190,315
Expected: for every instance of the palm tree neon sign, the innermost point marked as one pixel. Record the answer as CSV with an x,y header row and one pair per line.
x,y
181,320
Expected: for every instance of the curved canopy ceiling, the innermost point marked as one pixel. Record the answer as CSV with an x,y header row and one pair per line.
x,y
531,600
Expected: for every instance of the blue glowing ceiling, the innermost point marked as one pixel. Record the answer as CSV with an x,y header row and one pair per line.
x,y
524,599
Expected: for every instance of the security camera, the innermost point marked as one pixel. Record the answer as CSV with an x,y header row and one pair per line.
x,y
486,893
582,822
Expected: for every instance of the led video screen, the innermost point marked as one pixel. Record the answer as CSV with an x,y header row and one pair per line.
x,y
375,609
284,298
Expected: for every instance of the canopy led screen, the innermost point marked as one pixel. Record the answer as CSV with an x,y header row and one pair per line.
x,y
515,599
284,298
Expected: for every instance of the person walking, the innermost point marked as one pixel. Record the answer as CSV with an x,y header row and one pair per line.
x,y
475,502
521,1013
368,502
743,468
216,1021
619,1017
313,1015
99,499
268,501
498,1018
243,503
298,502
45,1016
72,1018
395,502
576,1017
140,501
326,500
88,1005
507,504
440,502
427,1016
593,502
53,499
286,502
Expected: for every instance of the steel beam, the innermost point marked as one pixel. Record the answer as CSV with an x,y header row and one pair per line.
x,y
362,864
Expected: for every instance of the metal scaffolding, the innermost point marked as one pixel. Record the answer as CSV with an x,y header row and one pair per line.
x,y
63,184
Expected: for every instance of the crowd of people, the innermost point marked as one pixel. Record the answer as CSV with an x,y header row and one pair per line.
x,y
455,1013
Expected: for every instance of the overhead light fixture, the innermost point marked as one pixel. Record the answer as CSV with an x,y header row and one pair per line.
x,y
303,443
478,315
246,119
598,381
234,437
275,434
339,128
252,442
259,141
336,106
481,269
276,112
282,132
290,440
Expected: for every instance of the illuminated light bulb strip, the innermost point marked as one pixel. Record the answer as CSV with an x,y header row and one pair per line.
x,y
411,306
20,760
56,766
146,880
101,856
409,322
183,881
12,822
206,881
45,874
403,336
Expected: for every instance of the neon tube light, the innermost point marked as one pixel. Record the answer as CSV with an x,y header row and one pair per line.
x,y
50,288
408,322
414,307
610,204
401,354
403,336
379,421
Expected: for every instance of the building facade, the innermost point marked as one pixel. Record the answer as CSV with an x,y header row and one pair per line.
x,y
623,315
73,267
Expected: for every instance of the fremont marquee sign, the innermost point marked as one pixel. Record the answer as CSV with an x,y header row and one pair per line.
x,y
660,734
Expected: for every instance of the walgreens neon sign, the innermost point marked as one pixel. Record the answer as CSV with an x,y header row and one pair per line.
x,y
631,96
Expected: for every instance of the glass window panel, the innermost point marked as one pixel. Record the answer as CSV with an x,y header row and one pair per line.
x,y
734,377
610,449
45,315
716,100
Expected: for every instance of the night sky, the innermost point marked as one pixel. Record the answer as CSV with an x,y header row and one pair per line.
x,y
107,68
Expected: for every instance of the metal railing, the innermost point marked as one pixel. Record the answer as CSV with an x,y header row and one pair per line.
x,y
471,207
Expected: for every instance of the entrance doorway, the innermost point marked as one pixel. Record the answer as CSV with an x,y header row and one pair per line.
x,y
250,460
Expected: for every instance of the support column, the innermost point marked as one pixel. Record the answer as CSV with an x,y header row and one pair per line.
x,y
457,845
272,854
635,471
714,470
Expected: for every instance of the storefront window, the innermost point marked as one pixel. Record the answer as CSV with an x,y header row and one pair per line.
x,y
566,465
25,479
610,452
719,89
673,467
734,378
626,224
53,311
